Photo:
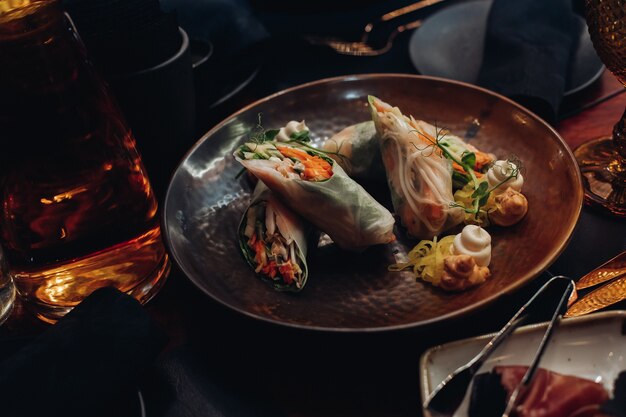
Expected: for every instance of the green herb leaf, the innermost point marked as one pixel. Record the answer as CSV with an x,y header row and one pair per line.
x,y
301,136
271,134
468,159
483,199
481,190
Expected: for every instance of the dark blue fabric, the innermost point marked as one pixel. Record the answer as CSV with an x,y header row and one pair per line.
x,y
88,364
186,383
529,46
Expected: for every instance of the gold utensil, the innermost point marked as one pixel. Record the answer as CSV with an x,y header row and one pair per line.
x,y
364,47
614,270
609,270
604,296
361,48
397,13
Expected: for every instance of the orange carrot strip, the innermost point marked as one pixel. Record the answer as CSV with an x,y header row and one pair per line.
x,y
316,168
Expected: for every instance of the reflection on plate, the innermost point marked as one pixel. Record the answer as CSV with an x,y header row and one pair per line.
x,y
591,347
356,292
449,44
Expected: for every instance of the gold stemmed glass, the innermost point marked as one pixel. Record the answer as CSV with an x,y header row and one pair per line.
x,y
603,161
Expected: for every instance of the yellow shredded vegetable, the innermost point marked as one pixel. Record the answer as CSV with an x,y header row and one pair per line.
x,y
464,198
426,258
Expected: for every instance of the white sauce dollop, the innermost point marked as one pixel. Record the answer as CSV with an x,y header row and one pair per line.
x,y
475,242
501,170
284,135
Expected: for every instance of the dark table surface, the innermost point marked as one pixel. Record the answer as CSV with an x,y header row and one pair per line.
x,y
373,374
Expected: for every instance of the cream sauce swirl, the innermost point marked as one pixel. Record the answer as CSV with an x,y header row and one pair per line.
x,y
284,135
500,171
475,242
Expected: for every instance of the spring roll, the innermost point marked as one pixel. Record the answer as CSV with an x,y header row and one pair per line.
x,y
355,148
317,188
273,240
457,147
418,175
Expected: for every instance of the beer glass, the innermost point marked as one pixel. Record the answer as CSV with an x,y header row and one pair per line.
x,y
78,212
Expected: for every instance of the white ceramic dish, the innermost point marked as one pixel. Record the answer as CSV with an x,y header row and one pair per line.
x,y
591,347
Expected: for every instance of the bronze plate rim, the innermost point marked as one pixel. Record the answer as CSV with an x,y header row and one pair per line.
x,y
578,196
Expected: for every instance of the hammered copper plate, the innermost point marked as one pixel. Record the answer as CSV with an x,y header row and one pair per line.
x,y
355,292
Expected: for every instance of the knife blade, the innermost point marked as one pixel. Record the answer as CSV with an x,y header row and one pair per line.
x,y
609,270
604,296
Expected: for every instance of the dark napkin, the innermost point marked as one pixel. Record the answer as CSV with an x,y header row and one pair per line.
x,y
186,382
88,364
529,46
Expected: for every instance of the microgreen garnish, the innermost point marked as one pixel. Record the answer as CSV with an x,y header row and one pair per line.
x,y
271,134
302,136
467,162
468,159
481,191
262,144
259,134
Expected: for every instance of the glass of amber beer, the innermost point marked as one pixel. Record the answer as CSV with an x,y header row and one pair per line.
x,y
78,212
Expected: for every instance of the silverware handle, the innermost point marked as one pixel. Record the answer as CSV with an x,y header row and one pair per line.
x,y
530,373
493,344
519,317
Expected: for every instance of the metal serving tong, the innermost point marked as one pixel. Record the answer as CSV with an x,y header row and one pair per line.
x,y
449,394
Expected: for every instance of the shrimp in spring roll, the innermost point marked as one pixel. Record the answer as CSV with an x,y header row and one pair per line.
x,y
273,240
418,175
317,188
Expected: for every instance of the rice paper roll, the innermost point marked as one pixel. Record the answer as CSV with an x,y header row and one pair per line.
x,y
356,149
318,189
273,240
418,175
456,146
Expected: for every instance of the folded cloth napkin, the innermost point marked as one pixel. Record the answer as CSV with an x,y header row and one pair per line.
x,y
185,383
529,46
87,364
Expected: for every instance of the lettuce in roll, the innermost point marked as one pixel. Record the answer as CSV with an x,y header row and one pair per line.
x,y
273,240
355,148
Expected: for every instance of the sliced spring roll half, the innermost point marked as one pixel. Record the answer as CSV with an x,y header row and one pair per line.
x,y
273,240
458,148
419,176
355,148
318,189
